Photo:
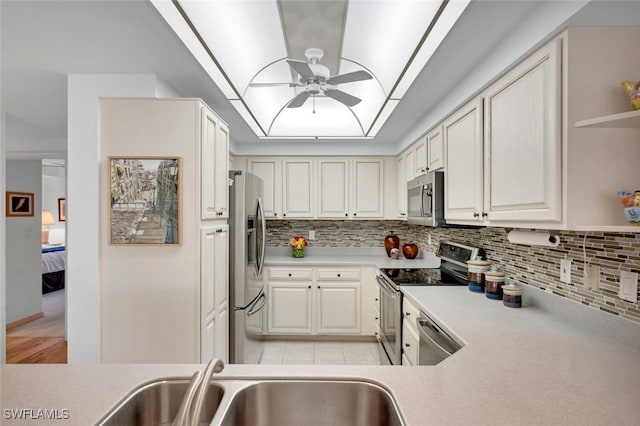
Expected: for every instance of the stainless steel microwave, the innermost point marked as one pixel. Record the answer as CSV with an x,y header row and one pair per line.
x,y
425,200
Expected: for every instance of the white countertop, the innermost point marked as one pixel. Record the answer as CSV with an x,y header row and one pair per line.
x,y
528,366
342,256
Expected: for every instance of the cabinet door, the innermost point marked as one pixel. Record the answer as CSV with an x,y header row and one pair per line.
x,y
221,267
207,341
269,170
208,164
220,340
402,188
333,188
298,192
464,164
410,343
221,188
409,164
338,308
435,149
289,308
523,141
420,155
367,177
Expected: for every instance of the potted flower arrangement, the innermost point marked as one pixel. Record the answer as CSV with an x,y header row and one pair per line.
x,y
298,243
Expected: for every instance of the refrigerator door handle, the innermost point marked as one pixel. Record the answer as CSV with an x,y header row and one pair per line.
x,y
250,304
261,235
259,305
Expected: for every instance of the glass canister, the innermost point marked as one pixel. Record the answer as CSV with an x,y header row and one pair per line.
x,y
475,274
512,295
493,282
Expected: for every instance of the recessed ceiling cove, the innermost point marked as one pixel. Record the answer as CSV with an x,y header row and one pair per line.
x,y
314,69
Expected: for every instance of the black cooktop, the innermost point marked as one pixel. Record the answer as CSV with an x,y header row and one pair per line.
x,y
440,276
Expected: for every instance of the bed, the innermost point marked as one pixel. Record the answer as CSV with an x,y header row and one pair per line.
x,y
53,266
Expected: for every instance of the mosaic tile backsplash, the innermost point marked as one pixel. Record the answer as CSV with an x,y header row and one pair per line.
x,y
532,265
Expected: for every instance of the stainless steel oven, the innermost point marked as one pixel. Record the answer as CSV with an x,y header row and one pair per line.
x,y
390,319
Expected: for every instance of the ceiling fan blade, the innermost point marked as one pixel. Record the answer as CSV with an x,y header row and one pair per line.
x,y
350,77
270,84
342,97
302,68
298,100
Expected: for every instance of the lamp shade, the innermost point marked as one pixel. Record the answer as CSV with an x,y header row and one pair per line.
x,y
47,218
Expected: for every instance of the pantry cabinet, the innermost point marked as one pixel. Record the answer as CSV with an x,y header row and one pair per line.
x,y
214,166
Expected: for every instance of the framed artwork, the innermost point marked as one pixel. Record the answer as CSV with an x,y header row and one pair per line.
x,y
62,210
144,200
19,204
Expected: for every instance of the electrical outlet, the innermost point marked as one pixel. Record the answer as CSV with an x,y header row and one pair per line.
x,y
628,286
592,277
312,235
565,271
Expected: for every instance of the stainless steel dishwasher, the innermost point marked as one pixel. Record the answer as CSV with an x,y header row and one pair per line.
x,y
435,343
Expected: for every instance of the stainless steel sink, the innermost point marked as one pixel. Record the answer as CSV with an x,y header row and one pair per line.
x,y
310,402
157,403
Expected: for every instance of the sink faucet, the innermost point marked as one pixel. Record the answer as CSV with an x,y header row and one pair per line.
x,y
193,400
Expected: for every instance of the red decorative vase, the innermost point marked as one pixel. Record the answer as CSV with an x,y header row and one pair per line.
x,y
391,241
410,250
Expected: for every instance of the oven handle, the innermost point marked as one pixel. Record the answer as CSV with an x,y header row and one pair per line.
x,y
384,284
429,331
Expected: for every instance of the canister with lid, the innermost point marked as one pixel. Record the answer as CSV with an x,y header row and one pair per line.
x,y
475,274
493,282
512,295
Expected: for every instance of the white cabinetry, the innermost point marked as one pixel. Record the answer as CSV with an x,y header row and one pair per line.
x,y
420,155
410,336
522,141
270,171
435,149
464,163
298,196
214,284
367,176
320,301
402,187
214,152
333,188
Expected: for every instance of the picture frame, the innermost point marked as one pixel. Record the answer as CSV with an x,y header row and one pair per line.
x,y
19,204
145,203
62,210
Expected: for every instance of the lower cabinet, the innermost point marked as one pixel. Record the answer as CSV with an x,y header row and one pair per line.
x,y
410,336
318,301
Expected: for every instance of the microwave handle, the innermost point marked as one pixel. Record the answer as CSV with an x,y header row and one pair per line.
x,y
423,189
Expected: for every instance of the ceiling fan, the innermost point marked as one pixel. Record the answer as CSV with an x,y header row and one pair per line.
x,y
316,80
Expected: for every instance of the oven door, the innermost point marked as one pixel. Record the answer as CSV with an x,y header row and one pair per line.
x,y
390,320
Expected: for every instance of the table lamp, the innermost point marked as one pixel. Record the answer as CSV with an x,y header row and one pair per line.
x,y
47,219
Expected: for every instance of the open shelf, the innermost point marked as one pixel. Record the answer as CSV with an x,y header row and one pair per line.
x,y
630,119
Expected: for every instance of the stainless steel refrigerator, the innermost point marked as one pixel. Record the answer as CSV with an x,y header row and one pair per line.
x,y
247,229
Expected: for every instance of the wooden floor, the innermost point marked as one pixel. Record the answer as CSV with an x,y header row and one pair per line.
x,y
41,341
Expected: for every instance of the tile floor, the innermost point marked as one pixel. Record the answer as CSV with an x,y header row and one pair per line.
x,y
324,352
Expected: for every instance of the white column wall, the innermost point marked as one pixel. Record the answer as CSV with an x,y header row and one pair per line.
x,y
3,305
83,189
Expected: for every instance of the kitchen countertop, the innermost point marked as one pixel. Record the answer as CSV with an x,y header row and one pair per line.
x,y
343,256
551,362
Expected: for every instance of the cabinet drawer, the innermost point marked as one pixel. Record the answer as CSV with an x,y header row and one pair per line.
x,y
338,275
290,274
410,314
410,342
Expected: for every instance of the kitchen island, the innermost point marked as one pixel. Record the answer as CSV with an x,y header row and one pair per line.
x,y
552,362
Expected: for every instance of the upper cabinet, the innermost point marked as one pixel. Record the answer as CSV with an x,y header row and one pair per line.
x,y
333,188
528,152
401,196
297,194
214,151
435,149
270,171
420,155
367,176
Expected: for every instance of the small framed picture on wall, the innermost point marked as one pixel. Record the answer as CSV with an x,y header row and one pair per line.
x,y
19,204
62,210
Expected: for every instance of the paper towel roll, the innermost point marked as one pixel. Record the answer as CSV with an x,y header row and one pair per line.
x,y
532,238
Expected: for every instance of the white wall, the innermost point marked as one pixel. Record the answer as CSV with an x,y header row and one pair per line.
x,y
83,212
23,273
3,316
54,187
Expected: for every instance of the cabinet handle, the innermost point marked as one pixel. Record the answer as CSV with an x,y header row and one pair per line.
x,y
355,214
376,318
275,214
476,214
346,214
403,214
284,214
485,214
309,286
338,275
289,274
406,314
407,345
376,299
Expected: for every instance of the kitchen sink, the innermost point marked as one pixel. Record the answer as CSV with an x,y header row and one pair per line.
x,y
316,402
157,403
254,402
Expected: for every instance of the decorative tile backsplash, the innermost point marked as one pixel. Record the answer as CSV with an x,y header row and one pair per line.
x,y
532,265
